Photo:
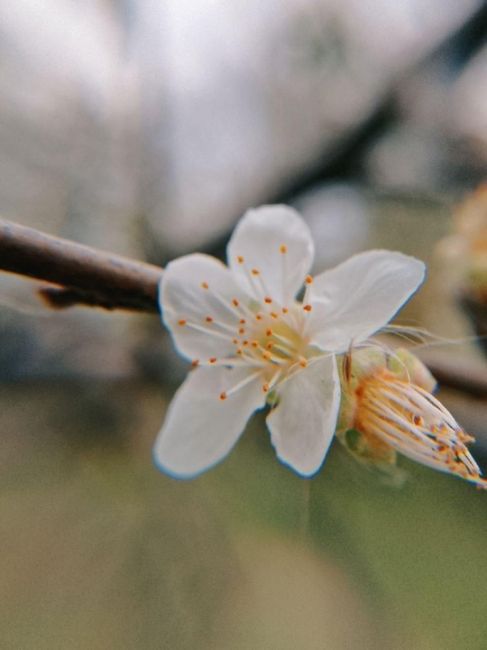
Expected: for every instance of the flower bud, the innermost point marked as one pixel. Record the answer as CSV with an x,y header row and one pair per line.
x,y
387,407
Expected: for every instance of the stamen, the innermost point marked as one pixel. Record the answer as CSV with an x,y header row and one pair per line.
x,y
240,259
217,323
256,281
274,379
210,331
240,360
415,423
284,274
289,354
288,343
240,384
182,322
253,275
224,326
295,368
307,307
230,306
204,285
308,281
269,355
263,288
403,426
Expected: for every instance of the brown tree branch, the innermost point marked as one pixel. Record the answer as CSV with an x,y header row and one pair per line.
x,y
87,276
84,275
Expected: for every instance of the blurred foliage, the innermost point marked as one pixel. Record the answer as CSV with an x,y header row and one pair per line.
x,y
99,550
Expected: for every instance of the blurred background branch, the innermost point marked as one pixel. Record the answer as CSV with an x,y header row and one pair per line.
x,y
344,157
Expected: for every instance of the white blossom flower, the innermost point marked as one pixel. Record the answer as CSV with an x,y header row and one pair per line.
x,y
252,342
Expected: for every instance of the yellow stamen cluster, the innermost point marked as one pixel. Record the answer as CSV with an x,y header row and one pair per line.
x,y
266,335
406,417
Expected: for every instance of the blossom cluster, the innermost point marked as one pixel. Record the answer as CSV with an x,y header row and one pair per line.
x,y
263,332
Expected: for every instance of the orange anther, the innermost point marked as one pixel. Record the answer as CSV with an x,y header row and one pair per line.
x,y
254,344
283,248
303,363
265,388
268,332
209,319
195,363
242,321
258,316
241,330
212,360
285,310
307,308
308,279
182,322
240,259
235,302
268,300
266,355
204,285
255,272
274,315
223,396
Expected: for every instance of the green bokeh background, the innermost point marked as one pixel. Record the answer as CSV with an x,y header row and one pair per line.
x,y
100,550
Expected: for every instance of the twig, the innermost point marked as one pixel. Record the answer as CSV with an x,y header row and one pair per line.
x,y
94,278
466,377
84,275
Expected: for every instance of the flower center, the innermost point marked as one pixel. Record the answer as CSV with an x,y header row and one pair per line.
x,y
264,334
277,342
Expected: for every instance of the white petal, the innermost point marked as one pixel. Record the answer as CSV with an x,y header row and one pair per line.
x,y
200,429
303,423
359,296
260,238
186,304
